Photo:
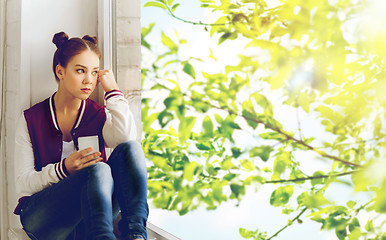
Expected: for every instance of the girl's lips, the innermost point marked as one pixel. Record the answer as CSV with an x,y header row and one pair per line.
x,y
86,90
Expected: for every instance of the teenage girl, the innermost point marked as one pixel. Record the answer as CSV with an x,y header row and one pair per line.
x,y
68,192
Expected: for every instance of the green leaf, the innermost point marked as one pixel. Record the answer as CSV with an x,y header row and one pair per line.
x,y
164,118
262,101
170,2
226,36
168,42
171,102
227,164
249,114
282,161
237,190
190,170
341,233
155,4
281,196
162,202
263,152
203,147
229,176
317,180
353,225
288,211
217,191
248,165
312,201
351,204
188,68
174,7
207,125
296,174
146,30
236,152
273,136
369,226
185,128
218,118
246,233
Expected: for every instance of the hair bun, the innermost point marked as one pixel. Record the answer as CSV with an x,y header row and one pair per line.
x,y
90,39
60,38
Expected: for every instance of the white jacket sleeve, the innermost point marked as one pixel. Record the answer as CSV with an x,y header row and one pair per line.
x,y
120,125
29,181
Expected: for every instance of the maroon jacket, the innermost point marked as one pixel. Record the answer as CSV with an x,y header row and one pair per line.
x,y
46,137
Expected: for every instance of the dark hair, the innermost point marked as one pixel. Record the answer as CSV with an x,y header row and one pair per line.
x,y
68,48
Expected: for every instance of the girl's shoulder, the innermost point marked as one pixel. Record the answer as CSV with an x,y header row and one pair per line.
x,y
93,105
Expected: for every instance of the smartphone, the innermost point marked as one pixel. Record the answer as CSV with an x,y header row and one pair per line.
x,y
90,141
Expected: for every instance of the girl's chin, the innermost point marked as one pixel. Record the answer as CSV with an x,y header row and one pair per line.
x,y
83,96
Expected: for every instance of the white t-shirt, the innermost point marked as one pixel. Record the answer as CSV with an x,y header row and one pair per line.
x,y
68,148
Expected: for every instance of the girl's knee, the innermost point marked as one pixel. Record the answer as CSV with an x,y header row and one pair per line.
x,y
130,146
130,153
132,150
100,170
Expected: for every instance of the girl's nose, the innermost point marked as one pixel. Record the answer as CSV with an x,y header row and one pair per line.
x,y
88,79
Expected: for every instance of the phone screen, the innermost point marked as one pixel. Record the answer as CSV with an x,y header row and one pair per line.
x,y
90,141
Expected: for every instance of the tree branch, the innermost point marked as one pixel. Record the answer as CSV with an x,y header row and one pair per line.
x,y
310,178
294,179
170,12
288,224
287,135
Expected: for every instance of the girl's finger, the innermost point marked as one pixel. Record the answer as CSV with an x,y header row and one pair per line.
x,y
84,152
90,157
80,154
89,163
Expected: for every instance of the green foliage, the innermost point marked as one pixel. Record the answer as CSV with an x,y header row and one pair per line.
x,y
252,234
305,53
281,196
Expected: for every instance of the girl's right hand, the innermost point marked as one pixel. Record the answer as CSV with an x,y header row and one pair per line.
x,y
80,159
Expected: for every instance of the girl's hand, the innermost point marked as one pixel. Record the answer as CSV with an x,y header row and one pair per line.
x,y
107,79
79,160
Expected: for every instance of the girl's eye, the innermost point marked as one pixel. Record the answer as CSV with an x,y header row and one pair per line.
x,y
80,71
95,73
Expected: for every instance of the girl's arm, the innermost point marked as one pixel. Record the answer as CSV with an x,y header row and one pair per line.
x,y
120,125
28,180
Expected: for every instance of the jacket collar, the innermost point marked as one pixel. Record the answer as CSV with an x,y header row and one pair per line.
x,y
53,113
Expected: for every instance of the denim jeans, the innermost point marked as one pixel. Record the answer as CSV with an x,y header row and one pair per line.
x,y
90,199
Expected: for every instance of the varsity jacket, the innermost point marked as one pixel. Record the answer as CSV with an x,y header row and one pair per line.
x,y
38,140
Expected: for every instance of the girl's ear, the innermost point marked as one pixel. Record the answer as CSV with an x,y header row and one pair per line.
x,y
59,71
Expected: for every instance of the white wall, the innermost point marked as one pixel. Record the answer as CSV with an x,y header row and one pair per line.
x,y
43,18
11,106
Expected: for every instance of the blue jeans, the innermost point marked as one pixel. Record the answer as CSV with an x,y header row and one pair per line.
x,y
90,199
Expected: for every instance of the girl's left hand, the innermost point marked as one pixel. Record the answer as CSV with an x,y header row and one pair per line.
x,y
107,79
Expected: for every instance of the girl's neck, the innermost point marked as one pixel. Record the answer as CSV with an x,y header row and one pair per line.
x,y
66,103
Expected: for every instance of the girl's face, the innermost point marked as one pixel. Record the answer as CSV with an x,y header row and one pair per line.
x,y
80,77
